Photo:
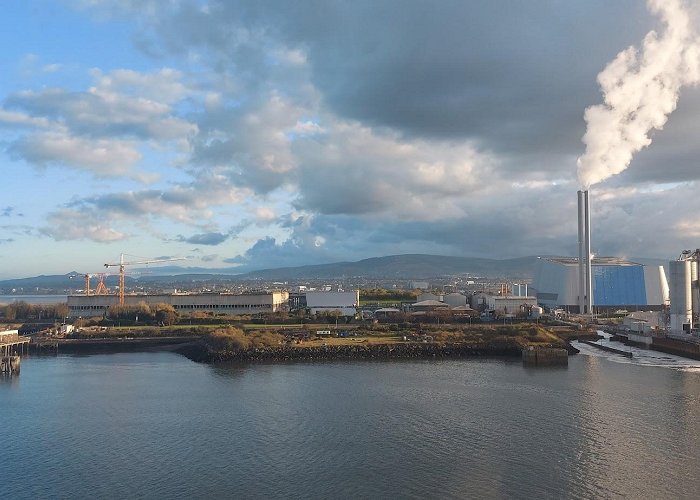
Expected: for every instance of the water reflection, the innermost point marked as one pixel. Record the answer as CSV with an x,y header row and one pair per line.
x,y
9,378
411,429
229,370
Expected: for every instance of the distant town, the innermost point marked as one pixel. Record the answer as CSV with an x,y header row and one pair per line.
x,y
630,300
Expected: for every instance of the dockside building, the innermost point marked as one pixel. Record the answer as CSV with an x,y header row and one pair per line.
x,y
224,303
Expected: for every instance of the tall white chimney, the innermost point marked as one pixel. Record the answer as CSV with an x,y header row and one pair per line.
x,y
589,263
581,255
585,275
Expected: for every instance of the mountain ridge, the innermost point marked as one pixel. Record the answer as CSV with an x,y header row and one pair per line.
x,y
404,266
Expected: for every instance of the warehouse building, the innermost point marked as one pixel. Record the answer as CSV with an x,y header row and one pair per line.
x,y
218,303
345,303
510,304
617,284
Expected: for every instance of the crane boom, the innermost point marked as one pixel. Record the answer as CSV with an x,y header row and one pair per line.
x,y
122,264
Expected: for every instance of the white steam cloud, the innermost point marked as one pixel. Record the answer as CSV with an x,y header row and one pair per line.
x,y
640,89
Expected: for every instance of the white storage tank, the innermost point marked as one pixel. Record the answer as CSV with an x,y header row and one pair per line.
x,y
680,295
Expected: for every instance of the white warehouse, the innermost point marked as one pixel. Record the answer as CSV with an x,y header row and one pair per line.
x,y
344,302
184,303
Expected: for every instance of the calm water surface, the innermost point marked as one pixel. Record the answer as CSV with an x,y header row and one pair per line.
x,y
157,425
34,299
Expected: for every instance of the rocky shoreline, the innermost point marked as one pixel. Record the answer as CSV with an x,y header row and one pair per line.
x,y
200,352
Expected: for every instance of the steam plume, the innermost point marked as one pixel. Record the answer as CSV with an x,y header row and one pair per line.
x,y
640,89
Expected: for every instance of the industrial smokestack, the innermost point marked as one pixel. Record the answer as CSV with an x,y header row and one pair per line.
x,y
587,242
581,255
585,275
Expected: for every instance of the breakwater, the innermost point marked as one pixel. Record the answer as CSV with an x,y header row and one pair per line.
x,y
106,345
200,352
607,348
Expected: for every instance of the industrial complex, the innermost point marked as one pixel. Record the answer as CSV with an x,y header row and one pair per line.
x,y
616,284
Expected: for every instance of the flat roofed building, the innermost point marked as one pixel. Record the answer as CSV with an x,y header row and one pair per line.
x,y
346,303
509,304
455,299
617,283
429,305
219,303
9,336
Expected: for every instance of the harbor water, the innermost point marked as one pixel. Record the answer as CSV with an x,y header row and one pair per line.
x,y
34,299
156,425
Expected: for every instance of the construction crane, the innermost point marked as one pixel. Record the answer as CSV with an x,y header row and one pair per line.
x,y
101,288
122,264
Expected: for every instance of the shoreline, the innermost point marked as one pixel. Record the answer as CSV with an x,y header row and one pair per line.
x,y
237,346
109,345
199,352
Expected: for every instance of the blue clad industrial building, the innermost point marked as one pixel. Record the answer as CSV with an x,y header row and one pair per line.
x,y
617,284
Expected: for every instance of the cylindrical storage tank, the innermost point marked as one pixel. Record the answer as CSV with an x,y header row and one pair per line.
x,y
664,287
536,312
694,290
680,295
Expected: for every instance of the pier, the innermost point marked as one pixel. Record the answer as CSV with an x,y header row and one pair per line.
x,y
12,346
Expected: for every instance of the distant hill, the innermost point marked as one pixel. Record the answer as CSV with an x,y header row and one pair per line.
x,y
53,281
411,266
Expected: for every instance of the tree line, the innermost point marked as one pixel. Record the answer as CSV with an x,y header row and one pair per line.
x,y
23,311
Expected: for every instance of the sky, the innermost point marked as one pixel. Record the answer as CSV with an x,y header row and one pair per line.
x,y
265,133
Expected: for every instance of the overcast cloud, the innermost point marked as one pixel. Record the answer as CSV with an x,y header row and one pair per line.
x,y
284,133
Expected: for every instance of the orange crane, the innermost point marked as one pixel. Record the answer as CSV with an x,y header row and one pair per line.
x,y
122,264
101,288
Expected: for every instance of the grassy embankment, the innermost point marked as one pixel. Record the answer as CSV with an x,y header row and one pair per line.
x,y
450,340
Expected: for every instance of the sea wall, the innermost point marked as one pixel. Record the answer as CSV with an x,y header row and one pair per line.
x,y
109,345
677,347
199,351
545,357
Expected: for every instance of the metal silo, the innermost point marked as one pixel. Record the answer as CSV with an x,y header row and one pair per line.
x,y
680,295
694,290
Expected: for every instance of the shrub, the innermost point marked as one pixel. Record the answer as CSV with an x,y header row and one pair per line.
x,y
234,339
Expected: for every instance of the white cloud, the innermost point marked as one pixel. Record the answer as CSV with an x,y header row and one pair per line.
x,y
101,156
264,214
104,129
23,119
51,68
353,169
163,86
70,224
